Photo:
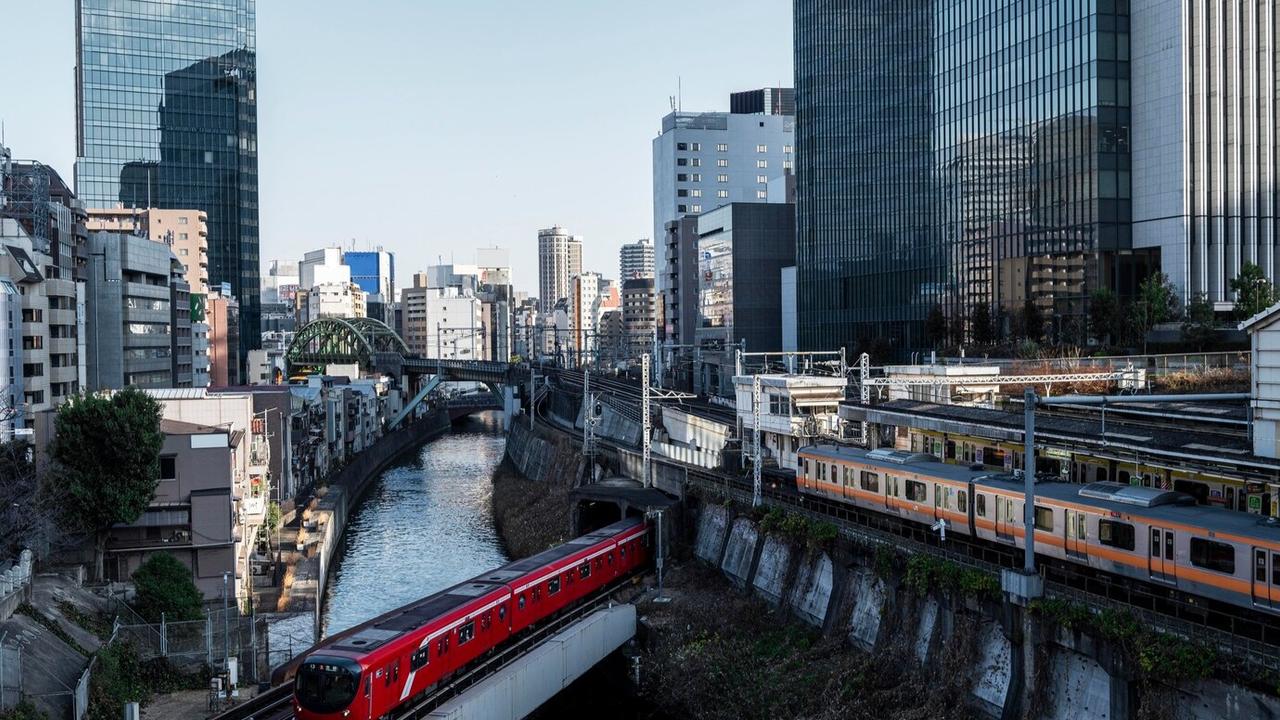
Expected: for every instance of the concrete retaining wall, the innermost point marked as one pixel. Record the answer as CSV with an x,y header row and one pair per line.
x,y
771,570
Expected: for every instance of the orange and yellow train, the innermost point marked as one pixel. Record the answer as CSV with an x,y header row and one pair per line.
x,y
1146,534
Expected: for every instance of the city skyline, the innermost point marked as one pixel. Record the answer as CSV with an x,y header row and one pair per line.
x,y
507,145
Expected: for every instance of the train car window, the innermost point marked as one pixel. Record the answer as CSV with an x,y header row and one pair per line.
x,y
1275,569
835,474
553,586
848,476
520,603
502,612
808,467
1168,548
1044,519
386,676
441,646
962,501
917,491
537,594
1216,556
1116,534
584,570
466,632
870,482
609,558
395,671
1260,566
486,620
980,503
822,471
368,686
937,495
622,552
1155,543
419,658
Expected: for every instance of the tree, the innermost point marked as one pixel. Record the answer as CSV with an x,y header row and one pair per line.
x,y
165,587
1104,316
984,331
1157,302
1254,292
1032,321
106,453
1199,323
935,326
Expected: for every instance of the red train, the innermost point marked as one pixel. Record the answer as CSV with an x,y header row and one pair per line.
x,y
367,672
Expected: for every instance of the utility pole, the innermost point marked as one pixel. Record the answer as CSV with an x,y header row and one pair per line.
x,y
226,630
1029,401
588,420
864,391
646,425
533,393
758,459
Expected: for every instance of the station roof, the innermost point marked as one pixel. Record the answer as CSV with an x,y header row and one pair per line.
x,y
1186,441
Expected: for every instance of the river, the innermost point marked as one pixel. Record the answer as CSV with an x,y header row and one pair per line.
x,y
426,524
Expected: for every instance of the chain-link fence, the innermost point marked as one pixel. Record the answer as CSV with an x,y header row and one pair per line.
x,y
10,674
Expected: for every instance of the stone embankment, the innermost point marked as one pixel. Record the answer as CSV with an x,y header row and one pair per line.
x,y
531,489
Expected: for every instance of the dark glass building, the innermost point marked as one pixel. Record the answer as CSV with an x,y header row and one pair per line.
x,y
166,108
953,153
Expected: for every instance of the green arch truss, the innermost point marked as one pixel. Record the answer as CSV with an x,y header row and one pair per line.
x,y
339,340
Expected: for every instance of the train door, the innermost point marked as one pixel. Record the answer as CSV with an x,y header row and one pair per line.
x,y
939,498
1077,533
1266,578
1005,518
1161,555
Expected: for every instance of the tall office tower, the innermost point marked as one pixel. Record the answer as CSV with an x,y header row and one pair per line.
x,y
959,153
375,272
559,259
1205,156
166,110
703,160
635,260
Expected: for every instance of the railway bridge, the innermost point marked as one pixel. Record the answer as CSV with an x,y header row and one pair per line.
x,y
374,347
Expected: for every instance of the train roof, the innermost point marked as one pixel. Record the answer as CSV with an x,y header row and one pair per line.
x,y
896,461
389,626
516,569
1177,508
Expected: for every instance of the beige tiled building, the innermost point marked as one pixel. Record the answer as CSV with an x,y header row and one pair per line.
x,y
186,231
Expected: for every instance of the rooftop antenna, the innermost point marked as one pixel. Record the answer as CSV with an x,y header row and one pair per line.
x,y
679,93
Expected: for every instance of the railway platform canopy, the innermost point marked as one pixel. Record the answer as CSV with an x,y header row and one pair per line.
x,y
1204,451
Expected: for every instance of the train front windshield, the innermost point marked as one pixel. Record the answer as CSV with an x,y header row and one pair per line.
x,y
326,685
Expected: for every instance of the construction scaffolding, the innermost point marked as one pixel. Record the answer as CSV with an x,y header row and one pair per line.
x,y
25,198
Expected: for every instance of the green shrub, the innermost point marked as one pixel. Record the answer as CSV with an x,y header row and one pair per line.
x,y
165,588
23,711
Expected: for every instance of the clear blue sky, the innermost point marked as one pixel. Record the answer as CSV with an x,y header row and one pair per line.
x,y
434,127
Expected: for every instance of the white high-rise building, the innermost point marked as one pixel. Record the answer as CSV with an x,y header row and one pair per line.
x,y
635,260
1203,99
703,160
559,259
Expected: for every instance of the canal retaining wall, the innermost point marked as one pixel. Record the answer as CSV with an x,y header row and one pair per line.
x,y
881,609
325,521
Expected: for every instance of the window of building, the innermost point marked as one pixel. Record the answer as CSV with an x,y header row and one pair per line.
x,y
682,177
722,163
182,236
695,146
696,177
722,193
682,193
682,208
695,162
722,177
682,146
695,208
762,194
169,468
762,148
1044,519
788,165
762,163
786,148
1115,534
1211,555
762,179
182,219
722,147
182,252
695,193
682,162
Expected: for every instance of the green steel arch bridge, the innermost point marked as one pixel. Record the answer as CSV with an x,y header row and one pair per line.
x,y
376,348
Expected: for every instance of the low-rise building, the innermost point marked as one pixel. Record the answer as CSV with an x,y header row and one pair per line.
x,y
193,516
795,411
222,315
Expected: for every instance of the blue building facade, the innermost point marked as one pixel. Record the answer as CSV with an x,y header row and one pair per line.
x,y
166,110
375,272
957,153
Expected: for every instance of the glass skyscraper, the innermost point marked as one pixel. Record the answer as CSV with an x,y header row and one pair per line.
x,y
953,153
166,110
